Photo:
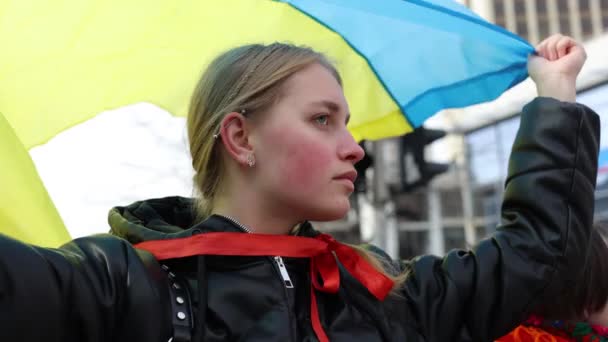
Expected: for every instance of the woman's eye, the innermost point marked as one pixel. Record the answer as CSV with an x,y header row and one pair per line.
x,y
322,120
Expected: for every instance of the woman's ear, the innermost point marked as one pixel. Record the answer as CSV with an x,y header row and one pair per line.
x,y
234,133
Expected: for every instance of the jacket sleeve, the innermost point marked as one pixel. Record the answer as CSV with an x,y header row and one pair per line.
x,y
93,289
547,216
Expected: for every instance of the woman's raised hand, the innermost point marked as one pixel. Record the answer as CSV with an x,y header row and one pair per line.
x,y
555,66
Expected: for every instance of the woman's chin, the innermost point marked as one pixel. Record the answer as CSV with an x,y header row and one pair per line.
x,y
331,212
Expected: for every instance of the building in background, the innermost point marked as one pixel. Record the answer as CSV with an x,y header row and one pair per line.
x,y
463,206
535,19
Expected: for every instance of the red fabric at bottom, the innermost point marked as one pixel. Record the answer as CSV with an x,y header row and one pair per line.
x,y
532,334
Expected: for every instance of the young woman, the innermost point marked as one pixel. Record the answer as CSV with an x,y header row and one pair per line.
x,y
579,313
270,148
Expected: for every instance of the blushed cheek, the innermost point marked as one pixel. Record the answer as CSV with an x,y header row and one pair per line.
x,y
306,165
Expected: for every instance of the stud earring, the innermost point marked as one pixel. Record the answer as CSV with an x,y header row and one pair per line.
x,y
251,160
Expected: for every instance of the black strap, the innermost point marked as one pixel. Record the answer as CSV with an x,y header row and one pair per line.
x,y
199,330
181,308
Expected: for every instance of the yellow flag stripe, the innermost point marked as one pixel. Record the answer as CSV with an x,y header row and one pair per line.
x,y
68,60
26,210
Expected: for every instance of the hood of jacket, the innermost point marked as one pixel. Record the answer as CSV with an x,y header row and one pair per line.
x,y
170,218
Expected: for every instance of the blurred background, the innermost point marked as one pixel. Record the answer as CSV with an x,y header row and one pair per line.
x,y
428,192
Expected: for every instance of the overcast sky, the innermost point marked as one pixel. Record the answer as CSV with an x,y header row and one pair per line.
x,y
120,156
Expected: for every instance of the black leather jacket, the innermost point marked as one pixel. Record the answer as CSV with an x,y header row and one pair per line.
x,y
100,288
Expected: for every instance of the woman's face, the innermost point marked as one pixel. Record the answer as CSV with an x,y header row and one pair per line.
x,y
305,156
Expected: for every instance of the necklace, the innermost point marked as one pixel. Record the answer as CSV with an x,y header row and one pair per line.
x,y
237,223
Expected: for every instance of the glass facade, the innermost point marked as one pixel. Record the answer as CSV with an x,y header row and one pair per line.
x,y
488,153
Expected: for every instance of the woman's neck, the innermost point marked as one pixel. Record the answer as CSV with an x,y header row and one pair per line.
x,y
254,219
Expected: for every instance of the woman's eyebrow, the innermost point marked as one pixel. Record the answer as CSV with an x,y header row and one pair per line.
x,y
331,105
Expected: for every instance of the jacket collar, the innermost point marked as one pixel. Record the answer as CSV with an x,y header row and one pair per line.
x,y
170,218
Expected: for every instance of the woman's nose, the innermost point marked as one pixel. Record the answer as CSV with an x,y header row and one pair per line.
x,y
352,151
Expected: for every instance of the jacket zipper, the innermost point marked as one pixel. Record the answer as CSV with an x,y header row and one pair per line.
x,y
237,223
279,266
278,261
283,271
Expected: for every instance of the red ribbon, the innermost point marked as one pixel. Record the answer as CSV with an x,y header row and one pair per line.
x,y
320,249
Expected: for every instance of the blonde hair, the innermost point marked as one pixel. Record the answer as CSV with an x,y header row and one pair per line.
x,y
246,78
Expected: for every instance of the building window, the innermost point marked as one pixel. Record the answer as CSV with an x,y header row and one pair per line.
x,y
564,17
453,238
604,6
543,19
585,13
499,13
412,244
521,22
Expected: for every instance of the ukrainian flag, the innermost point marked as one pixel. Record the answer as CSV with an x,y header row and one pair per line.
x,y
64,61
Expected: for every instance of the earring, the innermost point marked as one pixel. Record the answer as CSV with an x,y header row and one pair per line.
x,y
251,160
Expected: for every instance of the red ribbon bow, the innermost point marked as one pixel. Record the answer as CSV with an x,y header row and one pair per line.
x,y
321,249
